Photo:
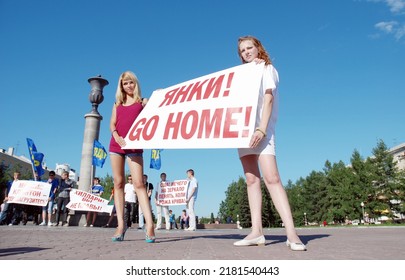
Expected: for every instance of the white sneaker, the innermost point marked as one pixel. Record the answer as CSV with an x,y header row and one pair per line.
x,y
50,224
85,225
190,229
42,224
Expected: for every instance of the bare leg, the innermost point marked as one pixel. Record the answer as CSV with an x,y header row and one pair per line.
x,y
118,165
88,217
94,218
252,174
273,183
136,169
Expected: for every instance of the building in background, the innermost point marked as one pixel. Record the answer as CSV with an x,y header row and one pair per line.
x,y
398,152
9,160
60,168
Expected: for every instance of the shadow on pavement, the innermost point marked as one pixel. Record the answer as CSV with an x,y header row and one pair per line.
x,y
19,250
270,239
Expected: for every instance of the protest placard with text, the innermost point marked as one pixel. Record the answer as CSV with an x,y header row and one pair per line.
x,y
84,201
213,111
29,193
173,193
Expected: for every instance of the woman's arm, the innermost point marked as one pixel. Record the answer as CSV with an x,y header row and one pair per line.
x,y
113,121
113,127
267,109
260,131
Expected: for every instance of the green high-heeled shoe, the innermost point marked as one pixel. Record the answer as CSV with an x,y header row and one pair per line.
x,y
150,239
120,237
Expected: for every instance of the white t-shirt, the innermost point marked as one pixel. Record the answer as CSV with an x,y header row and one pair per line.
x,y
269,81
267,145
159,189
130,195
193,183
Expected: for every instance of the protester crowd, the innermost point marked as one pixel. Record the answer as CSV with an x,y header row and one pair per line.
x,y
55,213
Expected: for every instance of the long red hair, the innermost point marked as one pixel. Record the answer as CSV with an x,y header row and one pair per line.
x,y
262,53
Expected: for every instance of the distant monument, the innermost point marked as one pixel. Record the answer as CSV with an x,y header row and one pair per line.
x,y
91,132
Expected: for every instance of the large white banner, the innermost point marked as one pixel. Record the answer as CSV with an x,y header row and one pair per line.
x,y
213,111
29,192
84,201
173,193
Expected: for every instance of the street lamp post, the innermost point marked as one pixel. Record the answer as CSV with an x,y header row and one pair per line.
x,y
91,132
305,219
362,210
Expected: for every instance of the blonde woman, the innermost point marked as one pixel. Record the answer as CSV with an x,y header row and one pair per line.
x,y
128,105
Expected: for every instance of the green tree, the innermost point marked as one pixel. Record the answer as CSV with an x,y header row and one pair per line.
x,y
314,193
363,183
245,217
343,193
236,203
3,182
297,201
386,182
270,217
401,192
108,183
334,194
212,219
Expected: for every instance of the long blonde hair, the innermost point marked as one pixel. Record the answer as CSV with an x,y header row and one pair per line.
x,y
262,53
120,95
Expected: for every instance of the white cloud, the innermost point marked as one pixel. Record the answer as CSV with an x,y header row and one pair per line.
x,y
394,27
387,27
391,27
396,6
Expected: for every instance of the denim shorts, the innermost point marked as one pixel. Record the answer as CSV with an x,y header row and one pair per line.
x,y
128,155
48,207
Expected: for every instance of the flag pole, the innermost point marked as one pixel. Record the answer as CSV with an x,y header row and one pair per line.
x,y
33,170
92,168
91,177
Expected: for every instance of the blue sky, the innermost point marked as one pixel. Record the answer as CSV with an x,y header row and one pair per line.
x,y
341,66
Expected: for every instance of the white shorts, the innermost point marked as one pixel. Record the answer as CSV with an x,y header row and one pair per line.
x,y
266,147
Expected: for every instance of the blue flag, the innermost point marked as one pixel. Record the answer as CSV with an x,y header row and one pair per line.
x,y
155,161
36,158
99,154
